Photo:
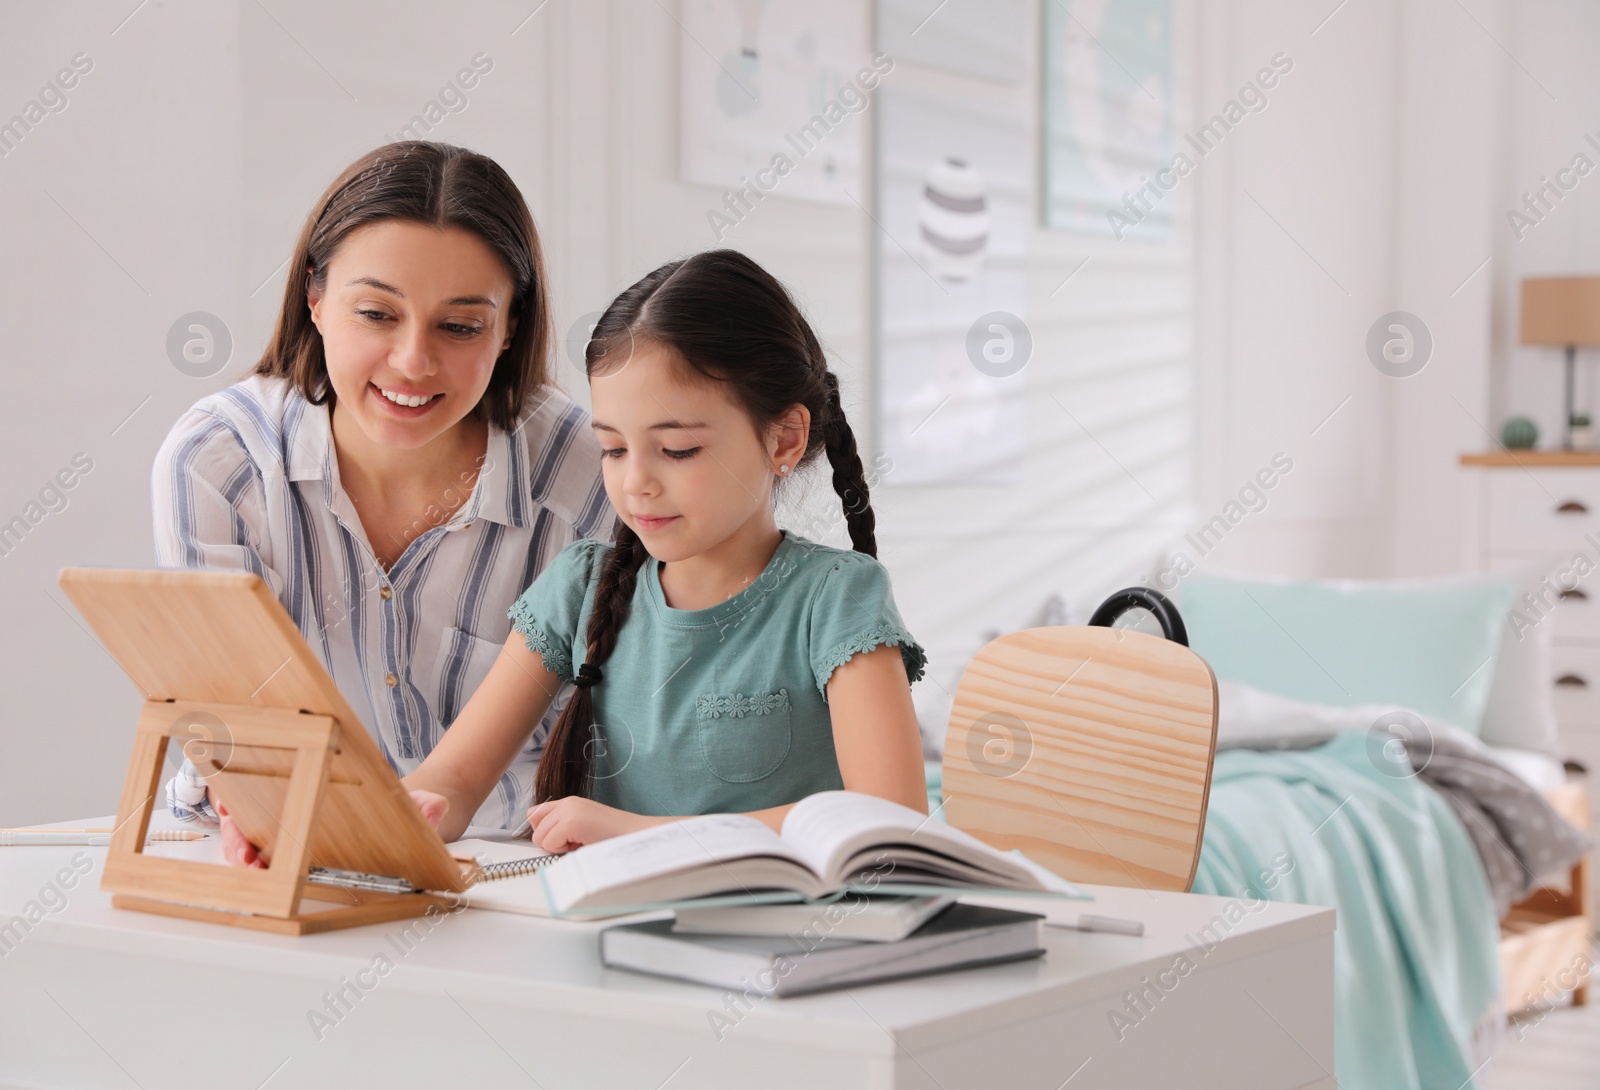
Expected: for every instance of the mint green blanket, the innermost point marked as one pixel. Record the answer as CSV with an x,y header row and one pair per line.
x,y
1416,962
1416,950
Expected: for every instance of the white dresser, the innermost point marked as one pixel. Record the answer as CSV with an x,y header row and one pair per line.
x,y
1545,506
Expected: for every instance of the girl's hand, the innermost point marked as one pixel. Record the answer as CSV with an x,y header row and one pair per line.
x,y
571,822
432,804
238,851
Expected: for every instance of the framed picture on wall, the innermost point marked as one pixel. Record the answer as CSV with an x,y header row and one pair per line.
x,y
982,38
952,208
771,95
1107,148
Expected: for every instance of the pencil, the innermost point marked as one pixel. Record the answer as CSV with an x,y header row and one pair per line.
x,y
20,837
163,834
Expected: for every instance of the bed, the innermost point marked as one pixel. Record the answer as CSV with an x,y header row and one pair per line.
x,y
1450,911
1455,854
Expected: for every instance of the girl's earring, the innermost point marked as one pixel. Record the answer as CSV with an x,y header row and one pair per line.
x,y
783,469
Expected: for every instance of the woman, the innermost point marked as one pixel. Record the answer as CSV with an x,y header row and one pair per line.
x,y
397,468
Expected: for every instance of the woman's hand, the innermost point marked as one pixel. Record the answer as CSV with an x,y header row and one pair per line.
x,y
571,822
238,851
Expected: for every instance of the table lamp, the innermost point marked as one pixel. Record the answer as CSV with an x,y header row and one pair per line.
x,y
1565,311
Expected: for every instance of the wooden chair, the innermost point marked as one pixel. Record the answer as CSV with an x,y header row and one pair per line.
x,y
1088,748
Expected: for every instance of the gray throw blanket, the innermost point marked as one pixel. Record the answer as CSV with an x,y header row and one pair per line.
x,y
1519,836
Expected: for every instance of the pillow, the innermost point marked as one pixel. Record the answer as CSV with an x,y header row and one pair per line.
x,y
1521,713
1248,718
1418,644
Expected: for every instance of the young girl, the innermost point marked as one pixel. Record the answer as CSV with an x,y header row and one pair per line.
x,y
720,663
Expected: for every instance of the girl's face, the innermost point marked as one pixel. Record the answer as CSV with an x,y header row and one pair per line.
x,y
683,466
412,321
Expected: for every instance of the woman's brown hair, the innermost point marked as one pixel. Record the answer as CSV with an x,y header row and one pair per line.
x,y
730,320
437,185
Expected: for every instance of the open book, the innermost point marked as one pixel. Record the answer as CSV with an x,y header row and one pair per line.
x,y
833,843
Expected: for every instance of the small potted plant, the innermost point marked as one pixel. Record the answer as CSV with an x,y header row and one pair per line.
x,y
1582,433
1519,433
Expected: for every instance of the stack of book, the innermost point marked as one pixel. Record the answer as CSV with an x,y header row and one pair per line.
x,y
854,889
748,952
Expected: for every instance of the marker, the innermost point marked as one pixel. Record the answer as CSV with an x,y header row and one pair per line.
x,y
1112,924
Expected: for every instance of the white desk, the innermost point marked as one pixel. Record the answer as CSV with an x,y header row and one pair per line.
x,y
100,997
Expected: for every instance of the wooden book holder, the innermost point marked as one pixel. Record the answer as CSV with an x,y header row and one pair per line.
x,y
226,674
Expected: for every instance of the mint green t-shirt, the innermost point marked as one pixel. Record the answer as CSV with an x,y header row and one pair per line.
x,y
722,709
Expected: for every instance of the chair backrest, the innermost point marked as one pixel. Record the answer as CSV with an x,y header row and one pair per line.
x,y
1088,748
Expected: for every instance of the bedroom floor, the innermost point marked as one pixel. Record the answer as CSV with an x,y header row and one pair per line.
x,y
1560,1051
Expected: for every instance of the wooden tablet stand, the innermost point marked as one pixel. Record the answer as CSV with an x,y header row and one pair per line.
x,y
227,674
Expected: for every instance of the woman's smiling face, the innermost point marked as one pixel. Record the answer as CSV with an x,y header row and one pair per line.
x,y
412,321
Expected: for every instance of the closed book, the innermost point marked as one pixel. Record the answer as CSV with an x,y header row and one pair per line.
x,y
962,936
859,917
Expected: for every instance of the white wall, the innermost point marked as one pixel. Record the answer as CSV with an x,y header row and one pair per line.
x,y
1417,126
1378,181
121,212
1297,242
1550,106
1375,180
1450,140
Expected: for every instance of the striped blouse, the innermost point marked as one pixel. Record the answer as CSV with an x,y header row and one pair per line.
x,y
247,480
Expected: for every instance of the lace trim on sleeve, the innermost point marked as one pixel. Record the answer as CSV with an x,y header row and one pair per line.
x,y
915,658
557,658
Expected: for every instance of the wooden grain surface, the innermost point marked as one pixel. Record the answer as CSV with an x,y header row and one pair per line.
x,y
227,674
1090,749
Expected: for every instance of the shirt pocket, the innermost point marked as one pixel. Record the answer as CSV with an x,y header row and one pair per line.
x,y
743,736
463,662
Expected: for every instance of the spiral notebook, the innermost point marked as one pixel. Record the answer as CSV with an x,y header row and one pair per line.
x,y
510,881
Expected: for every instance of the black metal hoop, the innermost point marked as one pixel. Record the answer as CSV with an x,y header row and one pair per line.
x,y
1158,604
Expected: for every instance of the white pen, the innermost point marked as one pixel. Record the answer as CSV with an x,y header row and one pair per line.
x,y
1088,922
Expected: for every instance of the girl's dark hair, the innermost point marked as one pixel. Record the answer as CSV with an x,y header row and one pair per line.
x,y
730,320
436,185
